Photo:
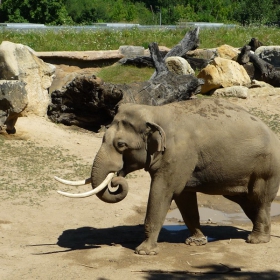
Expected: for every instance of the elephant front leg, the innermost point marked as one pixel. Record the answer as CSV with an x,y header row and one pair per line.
x,y
158,204
187,204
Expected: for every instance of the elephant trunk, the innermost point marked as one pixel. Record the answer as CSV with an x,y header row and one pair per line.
x,y
104,164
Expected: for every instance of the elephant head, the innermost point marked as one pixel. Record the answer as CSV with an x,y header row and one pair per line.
x,y
131,142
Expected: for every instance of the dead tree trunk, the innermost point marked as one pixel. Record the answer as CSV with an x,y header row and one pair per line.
x,y
259,69
188,43
88,102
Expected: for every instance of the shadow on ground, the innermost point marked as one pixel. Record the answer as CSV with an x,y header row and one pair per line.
x,y
214,273
131,236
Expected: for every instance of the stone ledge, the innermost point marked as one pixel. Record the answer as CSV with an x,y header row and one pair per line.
x,y
81,55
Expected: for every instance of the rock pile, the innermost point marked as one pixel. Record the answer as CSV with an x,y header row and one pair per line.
x,y
25,82
29,86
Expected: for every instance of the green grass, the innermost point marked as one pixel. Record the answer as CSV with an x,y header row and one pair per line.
x,y
71,40
119,74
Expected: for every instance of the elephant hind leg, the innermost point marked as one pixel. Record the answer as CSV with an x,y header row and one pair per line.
x,y
187,204
259,213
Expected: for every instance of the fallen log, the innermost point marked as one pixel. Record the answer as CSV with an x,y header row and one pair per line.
x,y
259,69
89,102
188,43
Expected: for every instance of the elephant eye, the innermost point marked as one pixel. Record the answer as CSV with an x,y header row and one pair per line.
x,y
121,144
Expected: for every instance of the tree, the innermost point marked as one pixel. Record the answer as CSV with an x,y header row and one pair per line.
x,y
35,11
259,12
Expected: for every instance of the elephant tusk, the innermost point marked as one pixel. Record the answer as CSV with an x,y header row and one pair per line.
x,y
92,192
73,183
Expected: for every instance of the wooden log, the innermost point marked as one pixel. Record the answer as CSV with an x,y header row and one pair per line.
x,y
157,57
146,61
264,71
188,43
89,102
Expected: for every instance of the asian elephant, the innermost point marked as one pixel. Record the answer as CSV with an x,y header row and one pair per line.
x,y
202,145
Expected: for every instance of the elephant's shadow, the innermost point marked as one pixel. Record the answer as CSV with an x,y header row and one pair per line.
x,y
132,235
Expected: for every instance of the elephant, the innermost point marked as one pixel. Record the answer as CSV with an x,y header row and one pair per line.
x,y
206,145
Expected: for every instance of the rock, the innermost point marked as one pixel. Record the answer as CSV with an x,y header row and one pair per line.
x,y
260,84
223,73
270,54
234,91
179,65
203,53
81,55
19,63
64,74
228,52
131,51
13,100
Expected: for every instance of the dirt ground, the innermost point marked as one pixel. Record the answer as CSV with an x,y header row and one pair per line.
x,y
46,236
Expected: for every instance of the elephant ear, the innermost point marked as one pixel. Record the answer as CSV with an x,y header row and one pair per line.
x,y
156,141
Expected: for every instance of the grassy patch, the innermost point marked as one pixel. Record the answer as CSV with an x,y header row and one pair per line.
x,y
119,74
27,169
72,40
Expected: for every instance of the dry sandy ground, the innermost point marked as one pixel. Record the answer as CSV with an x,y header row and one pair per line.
x,y
63,238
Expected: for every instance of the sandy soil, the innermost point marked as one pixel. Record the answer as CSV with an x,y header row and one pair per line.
x,y
63,238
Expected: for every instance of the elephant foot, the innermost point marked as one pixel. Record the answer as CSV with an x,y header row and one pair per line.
x,y
257,238
11,131
196,241
146,249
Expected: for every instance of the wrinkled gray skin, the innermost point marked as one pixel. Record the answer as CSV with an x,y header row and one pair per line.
x,y
207,146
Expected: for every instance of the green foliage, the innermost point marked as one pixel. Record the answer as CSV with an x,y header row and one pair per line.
x,y
185,13
85,12
43,11
261,12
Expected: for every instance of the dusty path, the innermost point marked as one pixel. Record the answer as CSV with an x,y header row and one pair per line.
x,y
46,236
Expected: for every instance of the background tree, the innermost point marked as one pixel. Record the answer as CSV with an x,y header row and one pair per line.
x,y
86,12
43,11
83,12
259,12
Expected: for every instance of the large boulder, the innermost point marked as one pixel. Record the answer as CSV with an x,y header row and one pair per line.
x,y
223,73
203,53
228,52
179,65
234,91
18,62
13,100
131,51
